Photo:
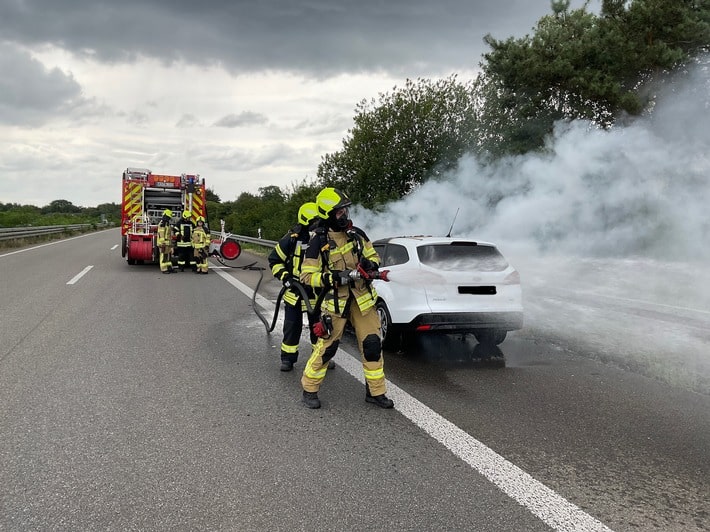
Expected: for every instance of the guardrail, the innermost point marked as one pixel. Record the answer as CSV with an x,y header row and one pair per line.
x,y
15,233
248,239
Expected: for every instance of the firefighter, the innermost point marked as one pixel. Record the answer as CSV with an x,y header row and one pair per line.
x,y
165,242
183,230
285,262
200,243
334,253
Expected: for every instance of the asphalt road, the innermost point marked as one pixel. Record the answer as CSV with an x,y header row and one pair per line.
x,y
133,400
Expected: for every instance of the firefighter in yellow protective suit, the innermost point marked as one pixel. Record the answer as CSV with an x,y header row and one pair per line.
x,y
165,242
200,243
285,262
183,230
334,253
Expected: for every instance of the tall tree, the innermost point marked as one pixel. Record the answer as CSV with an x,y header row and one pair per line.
x,y
579,65
410,135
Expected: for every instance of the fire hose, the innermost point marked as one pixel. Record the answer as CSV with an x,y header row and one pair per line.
x,y
346,277
351,275
260,269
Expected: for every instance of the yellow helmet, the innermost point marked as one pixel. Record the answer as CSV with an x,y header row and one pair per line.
x,y
330,199
200,219
307,212
168,213
186,214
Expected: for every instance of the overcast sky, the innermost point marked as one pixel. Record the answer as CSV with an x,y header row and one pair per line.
x,y
245,93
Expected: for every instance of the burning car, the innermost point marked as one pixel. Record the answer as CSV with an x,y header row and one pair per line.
x,y
447,285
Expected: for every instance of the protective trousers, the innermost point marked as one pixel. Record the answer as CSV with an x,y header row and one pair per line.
x,y
367,330
201,260
165,262
185,254
293,326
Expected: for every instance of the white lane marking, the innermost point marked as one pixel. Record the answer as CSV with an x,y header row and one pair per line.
x,y
79,275
556,511
47,244
114,247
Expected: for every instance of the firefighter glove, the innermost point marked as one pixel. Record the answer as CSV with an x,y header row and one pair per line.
x,y
323,327
287,280
368,265
326,279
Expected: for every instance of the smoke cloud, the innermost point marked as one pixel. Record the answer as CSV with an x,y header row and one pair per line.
x,y
637,190
610,231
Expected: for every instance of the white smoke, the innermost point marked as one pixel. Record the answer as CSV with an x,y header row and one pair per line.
x,y
636,190
610,231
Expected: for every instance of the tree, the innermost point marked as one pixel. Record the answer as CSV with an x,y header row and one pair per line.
x,y
413,133
272,210
581,66
210,195
60,206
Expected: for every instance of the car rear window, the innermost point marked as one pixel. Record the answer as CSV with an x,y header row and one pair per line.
x,y
462,256
394,254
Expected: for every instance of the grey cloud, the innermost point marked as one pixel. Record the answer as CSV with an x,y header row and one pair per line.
x,y
324,124
313,37
187,121
138,118
29,93
239,160
245,118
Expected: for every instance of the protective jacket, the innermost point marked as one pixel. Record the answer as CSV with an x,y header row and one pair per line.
x,y
183,229
165,234
285,261
336,251
165,244
200,240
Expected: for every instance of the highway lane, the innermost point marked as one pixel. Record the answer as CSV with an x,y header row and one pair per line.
x,y
115,416
153,402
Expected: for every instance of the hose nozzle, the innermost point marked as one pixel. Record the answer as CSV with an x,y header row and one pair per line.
x,y
372,274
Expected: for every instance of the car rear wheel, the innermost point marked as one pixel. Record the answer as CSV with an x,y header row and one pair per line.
x,y
385,324
490,336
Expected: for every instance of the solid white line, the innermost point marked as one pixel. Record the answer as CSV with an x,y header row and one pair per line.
x,y
47,244
114,247
79,275
556,511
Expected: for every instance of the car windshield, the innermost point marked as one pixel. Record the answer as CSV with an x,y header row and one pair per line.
x,y
462,256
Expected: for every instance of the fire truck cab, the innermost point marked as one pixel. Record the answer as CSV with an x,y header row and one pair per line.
x,y
145,197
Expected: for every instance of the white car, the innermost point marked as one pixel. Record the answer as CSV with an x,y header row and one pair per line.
x,y
446,285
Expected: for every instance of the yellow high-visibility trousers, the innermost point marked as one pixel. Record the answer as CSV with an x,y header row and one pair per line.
x,y
364,324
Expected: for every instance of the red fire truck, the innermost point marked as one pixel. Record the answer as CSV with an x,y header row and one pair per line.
x,y
145,196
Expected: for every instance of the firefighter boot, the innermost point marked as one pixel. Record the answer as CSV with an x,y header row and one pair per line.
x,y
288,360
380,400
310,399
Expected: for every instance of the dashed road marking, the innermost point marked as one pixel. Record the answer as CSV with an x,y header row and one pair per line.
x,y
79,275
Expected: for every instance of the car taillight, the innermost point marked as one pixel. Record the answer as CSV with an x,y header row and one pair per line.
x,y
422,328
512,278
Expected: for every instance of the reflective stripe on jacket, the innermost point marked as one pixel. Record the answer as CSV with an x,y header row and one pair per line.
x,y
286,259
343,251
199,238
184,230
165,234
